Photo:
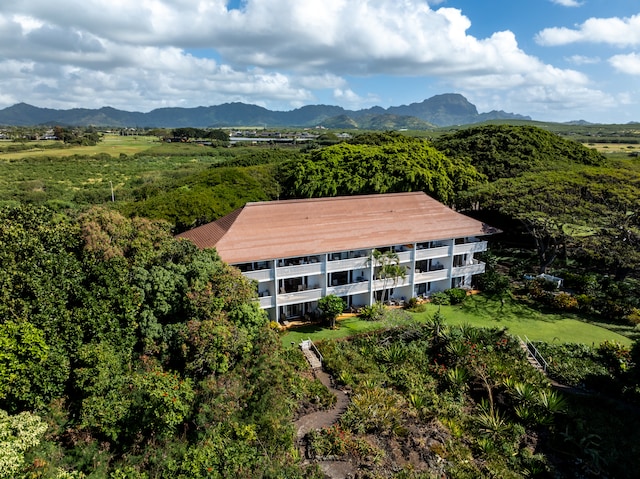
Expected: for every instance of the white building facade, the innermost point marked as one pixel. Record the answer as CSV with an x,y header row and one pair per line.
x,y
298,251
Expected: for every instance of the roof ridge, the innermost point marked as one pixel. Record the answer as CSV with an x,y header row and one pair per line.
x,y
334,198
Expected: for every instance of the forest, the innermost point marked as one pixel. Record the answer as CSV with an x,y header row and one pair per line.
x,y
126,353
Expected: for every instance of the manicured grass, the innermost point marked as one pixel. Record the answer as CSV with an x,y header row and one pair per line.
x,y
481,311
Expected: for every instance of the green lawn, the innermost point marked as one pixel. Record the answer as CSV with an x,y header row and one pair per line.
x,y
480,311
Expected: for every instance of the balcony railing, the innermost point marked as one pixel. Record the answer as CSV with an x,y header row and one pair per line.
x,y
300,296
436,275
260,275
348,289
267,302
348,264
474,247
428,253
380,284
299,270
476,268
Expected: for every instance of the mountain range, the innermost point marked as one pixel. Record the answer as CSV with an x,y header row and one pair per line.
x,y
440,110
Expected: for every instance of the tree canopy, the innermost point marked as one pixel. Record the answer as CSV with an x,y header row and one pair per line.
x,y
384,163
141,353
504,151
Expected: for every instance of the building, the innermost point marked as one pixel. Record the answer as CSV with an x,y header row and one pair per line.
x,y
301,250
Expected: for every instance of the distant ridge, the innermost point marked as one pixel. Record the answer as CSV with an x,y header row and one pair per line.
x,y
440,110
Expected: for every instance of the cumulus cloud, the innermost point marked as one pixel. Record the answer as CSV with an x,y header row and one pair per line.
x,y
277,53
629,63
567,3
621,32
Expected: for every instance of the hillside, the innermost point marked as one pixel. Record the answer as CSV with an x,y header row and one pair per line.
x,y
440,110
501,151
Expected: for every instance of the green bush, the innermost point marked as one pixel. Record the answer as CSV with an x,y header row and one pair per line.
x,y
374,312
440,298
456,295
564,301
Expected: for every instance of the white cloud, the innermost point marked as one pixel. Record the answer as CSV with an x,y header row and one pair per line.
x,y
278,53
620,32
567,3
629,63
583,60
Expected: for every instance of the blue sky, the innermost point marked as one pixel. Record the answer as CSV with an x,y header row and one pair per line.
x,y
554,60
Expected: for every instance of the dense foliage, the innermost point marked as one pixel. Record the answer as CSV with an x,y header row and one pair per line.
x,y
378,163
463,402
144,356
504,151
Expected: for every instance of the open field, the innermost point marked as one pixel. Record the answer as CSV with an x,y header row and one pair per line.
x,y
480,311
614,147
55,176
113,145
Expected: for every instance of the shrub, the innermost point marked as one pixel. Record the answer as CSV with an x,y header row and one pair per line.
x,y
493,282
374,312
414,306
564,301
440,298
456,295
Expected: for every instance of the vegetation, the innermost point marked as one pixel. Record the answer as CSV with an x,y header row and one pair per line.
x,y
142,355
378,163
126,353
463,402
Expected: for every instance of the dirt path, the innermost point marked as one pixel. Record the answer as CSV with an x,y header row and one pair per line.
x,y
321,419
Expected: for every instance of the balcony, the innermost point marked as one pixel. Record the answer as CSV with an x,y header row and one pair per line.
x,y
300,296
476,268
474,247
428,276
260,275
267,302
299,270
348,289
428,253
380,284
348,264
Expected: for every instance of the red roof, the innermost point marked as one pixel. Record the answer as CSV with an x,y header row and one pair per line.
x,y
291,228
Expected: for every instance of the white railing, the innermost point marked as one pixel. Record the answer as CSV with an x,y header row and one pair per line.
x,y
299,297
267,302
348,289
404,257
476,268
380,284
535,354
260,275
436,275
348,264
428,253
299,270
474,247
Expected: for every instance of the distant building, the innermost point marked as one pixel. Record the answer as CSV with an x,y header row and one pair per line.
x,y
301,250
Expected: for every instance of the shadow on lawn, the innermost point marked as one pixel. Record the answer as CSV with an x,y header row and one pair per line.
x,y
507,309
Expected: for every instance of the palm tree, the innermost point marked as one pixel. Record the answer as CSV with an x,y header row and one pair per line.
x,y
389,268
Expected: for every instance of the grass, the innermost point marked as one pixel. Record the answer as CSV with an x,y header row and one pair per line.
x,y
113,145
65,176
481,311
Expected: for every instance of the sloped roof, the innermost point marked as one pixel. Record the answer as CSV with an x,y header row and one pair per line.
x,y
290,228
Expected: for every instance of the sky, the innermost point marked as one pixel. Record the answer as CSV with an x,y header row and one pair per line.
x,y
553,60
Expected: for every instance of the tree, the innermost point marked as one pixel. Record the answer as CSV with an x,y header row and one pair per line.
x,y
331,306
576,209
389,164
388,268
18,434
